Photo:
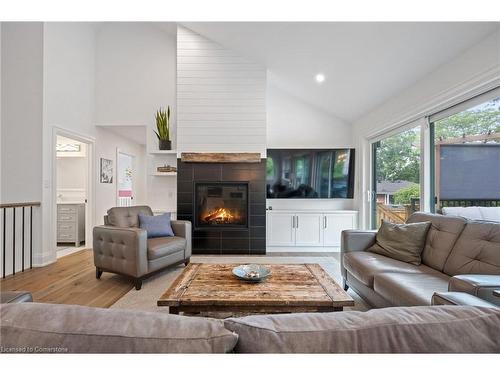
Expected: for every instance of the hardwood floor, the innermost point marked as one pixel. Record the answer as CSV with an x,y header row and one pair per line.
x,y
70,280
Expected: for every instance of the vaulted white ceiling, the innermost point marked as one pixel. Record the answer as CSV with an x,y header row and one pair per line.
x,y
364,63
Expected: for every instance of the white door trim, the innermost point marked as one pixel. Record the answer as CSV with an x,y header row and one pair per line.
x,y
90,184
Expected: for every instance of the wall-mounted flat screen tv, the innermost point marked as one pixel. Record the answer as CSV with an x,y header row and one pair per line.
x,y
310,173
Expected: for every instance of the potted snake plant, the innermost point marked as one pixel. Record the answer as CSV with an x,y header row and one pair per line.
x,y
163,129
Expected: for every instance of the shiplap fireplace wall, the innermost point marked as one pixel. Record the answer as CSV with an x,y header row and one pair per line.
x,y
221,98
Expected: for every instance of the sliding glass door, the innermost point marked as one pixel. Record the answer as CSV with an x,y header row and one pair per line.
x,y
465,146
395,177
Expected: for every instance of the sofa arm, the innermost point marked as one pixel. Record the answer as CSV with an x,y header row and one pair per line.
x,y
481,286
182,228
121,250
459,299
357,240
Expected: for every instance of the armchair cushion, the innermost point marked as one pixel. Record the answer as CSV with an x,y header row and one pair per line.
x,y
156,226
161,246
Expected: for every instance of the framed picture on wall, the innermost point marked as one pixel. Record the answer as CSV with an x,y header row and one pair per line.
x,y
106,171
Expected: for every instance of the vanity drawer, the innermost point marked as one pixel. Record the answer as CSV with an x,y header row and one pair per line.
x,y
63,209
66,217
66,227
63,237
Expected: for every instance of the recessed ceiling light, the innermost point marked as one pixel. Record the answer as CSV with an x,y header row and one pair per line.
x,y
320,78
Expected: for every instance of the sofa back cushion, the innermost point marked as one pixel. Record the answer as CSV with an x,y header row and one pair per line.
x,y
127,217
476,251
81,329
441,237
422,329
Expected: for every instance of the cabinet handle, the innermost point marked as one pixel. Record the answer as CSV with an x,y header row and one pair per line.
x,y
326,221
293,222
297,221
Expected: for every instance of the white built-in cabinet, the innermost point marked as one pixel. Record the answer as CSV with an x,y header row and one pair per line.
x,y
308,229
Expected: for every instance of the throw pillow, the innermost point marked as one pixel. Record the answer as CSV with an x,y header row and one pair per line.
x,y
156,226
404,242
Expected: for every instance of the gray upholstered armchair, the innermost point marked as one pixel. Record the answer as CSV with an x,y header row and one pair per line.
x,y
121,247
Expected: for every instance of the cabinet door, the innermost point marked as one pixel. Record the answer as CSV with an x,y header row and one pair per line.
x,y
309,231
334,224
280,231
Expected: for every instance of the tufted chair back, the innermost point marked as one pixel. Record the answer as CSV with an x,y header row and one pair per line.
x,y
126,217
441,238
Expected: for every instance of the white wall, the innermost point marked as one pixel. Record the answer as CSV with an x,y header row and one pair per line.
x,y
71,173
221,98
22,111
69,77
21,125
106,147
474,71
292,122
135,74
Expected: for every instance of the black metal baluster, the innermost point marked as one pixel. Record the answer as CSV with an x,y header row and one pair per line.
x,y
3,252
13,240
22,263
31,237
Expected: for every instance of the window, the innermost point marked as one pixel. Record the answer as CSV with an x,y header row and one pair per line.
x,y
396,177
466,151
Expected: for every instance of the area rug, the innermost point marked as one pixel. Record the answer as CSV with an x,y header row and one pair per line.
x,y
153,287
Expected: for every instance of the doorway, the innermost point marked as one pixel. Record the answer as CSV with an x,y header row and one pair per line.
x,y
125,179
72,216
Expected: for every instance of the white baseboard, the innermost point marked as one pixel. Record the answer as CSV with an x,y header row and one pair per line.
x,y
302,249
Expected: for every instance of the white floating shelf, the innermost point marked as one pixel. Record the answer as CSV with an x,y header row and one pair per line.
x,y
164,174
163,152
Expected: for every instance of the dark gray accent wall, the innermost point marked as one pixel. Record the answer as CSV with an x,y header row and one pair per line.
x,y
225,240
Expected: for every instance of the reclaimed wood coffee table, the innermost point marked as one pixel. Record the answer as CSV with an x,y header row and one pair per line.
x,y
289,288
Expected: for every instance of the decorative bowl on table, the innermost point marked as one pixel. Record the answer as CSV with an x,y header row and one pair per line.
x,y
251,272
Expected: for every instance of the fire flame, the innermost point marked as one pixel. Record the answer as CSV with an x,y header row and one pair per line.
x,y
221,215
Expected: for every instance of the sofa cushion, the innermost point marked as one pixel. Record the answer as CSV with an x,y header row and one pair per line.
x,y
403,242
433,329
156,226
81,329
161,246
441,237
127,217
410,289
365,265
476,251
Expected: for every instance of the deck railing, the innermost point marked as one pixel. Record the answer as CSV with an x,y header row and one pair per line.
x,y
25,210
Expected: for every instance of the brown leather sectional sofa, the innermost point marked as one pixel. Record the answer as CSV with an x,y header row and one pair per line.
x,y
459,256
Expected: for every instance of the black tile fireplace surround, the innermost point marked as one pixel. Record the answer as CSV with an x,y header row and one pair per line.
x,y
244,187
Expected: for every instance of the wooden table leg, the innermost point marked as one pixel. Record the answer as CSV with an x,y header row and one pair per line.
x,y
173,310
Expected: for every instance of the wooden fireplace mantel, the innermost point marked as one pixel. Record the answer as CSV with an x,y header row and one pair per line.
x,y
220,157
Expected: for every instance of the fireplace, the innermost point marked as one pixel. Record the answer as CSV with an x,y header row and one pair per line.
x,y
221,204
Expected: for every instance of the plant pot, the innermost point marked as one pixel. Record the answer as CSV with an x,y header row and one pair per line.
x,y
165,145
